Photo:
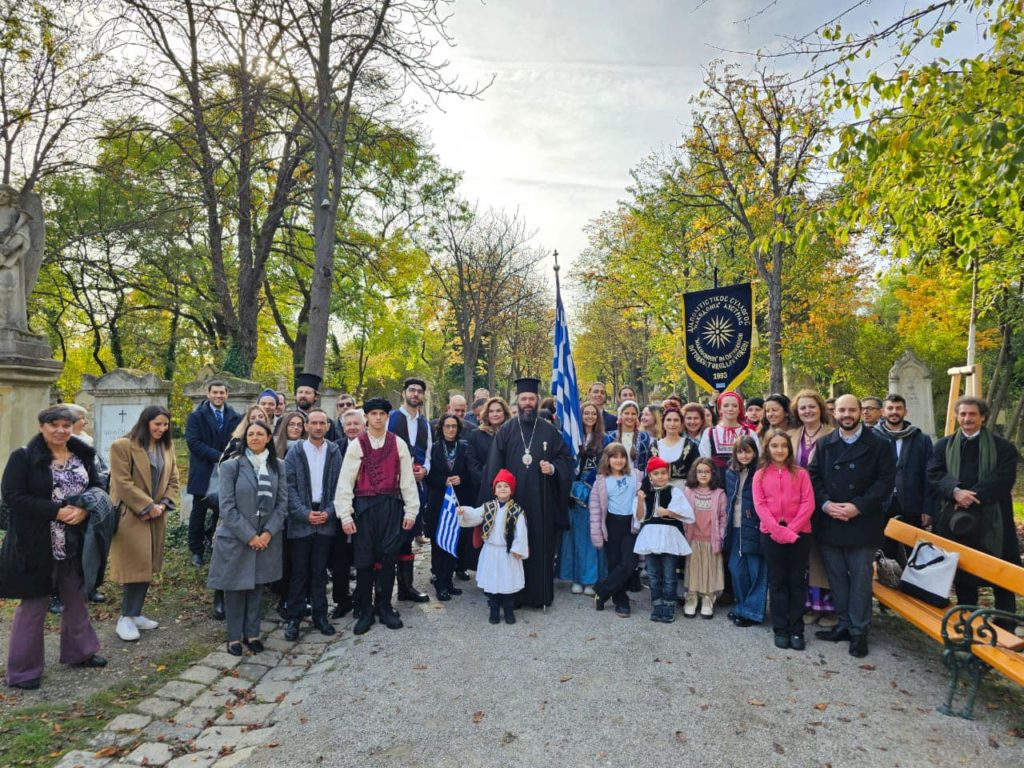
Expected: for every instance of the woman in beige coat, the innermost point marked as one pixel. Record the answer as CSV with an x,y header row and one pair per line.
x,y
143,485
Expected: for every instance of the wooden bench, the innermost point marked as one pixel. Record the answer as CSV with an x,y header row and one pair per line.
x,y
972,643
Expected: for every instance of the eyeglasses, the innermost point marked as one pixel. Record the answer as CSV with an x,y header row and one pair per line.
x,y
346,404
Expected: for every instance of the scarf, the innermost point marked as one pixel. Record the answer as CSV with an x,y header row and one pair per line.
x,y
491,509
896,434
990,529
265,489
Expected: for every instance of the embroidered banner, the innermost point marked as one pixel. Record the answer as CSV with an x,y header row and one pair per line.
x,y
719,335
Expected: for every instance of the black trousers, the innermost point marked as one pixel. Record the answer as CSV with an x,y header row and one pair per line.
x,y
442,564
787,564
199,532
618,552
384,579
309,556
341,564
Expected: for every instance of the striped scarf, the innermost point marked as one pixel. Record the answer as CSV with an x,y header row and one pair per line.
x,y
265,490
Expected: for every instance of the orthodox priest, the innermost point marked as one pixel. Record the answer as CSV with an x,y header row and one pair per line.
x,y
533,450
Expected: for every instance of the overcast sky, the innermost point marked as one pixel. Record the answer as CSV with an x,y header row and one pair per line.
x,y
585,89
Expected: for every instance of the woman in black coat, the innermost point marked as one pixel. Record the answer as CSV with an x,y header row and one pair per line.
x,y
43,547
448,467
494,413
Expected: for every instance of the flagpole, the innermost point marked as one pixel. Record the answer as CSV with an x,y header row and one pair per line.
x,y
558,287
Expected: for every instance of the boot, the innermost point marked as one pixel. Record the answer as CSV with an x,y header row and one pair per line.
x,y
507,604
406,590
291,632
495,606
218,605
690,606
389,618
707,606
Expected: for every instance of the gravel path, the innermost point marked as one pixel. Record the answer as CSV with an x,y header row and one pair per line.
x,y
576,687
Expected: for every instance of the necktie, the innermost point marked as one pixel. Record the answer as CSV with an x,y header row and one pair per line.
x,y
220,418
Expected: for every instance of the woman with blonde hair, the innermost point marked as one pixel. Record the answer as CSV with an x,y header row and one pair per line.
x,y
237,440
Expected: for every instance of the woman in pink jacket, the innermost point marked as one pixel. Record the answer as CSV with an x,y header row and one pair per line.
x,y
784,502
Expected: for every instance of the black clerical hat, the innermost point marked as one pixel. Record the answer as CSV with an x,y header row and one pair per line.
x,y
527,385
308,380
377,404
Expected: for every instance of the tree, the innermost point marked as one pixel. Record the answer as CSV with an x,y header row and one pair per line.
x,y
343,53
484,269
751,160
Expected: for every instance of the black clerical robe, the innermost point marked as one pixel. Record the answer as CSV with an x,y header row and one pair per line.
x,y
544,498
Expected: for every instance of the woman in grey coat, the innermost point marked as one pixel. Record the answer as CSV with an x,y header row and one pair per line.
x,y
247,550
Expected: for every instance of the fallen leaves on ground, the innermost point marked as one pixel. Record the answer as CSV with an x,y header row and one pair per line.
x,y
821,706
778,748
756,703
680,737
565,678
477,716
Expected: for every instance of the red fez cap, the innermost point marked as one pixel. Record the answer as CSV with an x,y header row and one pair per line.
x,y
504,476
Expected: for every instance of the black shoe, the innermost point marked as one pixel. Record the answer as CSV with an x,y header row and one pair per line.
x,y
291,632
98,662
782,641
859,646
97,597
599,601
235,648
324,626
454,591
833,635
739,621
623,611
218,605
495,616
444,595
797,642
389,618
197,560
256,646
461,576
406,590
341,610
55,605
363,625
510,617
26,685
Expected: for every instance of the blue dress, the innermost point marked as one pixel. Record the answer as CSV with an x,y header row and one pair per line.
x,y
579,561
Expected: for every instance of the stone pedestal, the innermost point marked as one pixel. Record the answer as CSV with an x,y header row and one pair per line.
x,y
24,391
329,401
910,377
241,392
117,398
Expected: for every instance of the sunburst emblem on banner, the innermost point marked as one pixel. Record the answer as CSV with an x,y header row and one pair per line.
x,y
718,331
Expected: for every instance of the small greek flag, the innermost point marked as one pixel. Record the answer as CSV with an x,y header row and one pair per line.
x,y
447,536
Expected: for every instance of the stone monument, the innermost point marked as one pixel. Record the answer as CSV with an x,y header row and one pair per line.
x,y
241,392
27,368
117,398
910,377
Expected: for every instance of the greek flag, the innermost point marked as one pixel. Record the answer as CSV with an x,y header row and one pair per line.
x,y
448,525
563,381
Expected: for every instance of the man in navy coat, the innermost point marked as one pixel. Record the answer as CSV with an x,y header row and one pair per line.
x,y
207,430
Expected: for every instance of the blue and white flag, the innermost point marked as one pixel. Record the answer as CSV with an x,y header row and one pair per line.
x,y
563,382
447,535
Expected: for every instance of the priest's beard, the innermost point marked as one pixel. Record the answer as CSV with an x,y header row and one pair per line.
x,y
527,415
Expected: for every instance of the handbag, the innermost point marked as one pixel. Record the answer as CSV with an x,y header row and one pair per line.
x,y
929,574
212,495
887,570
580,492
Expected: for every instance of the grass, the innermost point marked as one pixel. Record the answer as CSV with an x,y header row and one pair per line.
x,y
39,735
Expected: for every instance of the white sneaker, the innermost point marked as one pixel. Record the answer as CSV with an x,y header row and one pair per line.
x,y
141,622
588,591
577,589
126,629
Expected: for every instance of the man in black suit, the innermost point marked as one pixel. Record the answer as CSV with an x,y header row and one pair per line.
x,y
972,472
597,394
207,430
853,477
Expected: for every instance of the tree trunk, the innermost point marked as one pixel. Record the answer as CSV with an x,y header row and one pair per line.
x,y
470,358
170,355
775,331
492,367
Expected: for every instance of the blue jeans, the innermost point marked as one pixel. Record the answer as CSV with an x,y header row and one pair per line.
x,y
579,561
662,571
749,580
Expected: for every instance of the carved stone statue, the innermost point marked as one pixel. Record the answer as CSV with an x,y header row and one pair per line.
x,y
21,253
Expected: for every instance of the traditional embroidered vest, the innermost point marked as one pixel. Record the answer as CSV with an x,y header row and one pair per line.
x,y
655,499
722,440
398,424
511,518
379,469
680,468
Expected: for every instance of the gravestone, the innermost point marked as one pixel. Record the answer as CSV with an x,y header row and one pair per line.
x,y
241,392
910,377
27,367
116,400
